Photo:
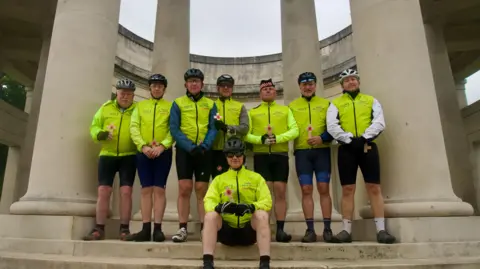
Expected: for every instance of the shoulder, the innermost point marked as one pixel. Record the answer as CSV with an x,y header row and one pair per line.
x,y
295,102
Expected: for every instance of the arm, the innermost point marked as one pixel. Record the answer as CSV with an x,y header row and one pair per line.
x,y
251,138
181,139
378,122
326,137
212,197
97,124
243,127
135,133
263,195
212,131
168,141
292,132
334,128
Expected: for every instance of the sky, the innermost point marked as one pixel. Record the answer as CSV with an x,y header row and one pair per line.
x,y
238,28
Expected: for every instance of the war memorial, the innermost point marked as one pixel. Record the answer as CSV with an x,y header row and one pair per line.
x,y
412,55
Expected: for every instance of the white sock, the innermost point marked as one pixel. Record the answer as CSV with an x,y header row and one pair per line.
x,y
347,225
380,224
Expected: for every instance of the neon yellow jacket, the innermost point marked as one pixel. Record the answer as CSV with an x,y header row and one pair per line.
x,y
111,118
282,122
311,112
149,125
253,190
235,116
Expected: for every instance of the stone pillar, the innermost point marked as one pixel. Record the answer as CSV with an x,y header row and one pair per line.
x,y
461,94
171,57
300,53
64,164
13,163
415,172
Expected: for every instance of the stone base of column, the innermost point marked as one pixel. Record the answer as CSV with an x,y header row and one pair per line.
x,y
60,207
421,209
47,227
414,230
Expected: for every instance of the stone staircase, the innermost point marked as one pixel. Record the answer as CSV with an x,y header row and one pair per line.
x,y
109,254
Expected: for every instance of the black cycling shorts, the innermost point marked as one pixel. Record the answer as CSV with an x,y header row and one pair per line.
x,y
108,166
219,163
188,165
230,236
349,161
272,167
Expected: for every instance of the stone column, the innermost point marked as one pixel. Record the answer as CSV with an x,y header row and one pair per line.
x,y
13,163
414,165
300,53
64,164
171,57
461,95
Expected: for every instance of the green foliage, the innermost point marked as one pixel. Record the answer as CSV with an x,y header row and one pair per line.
x,y
13,93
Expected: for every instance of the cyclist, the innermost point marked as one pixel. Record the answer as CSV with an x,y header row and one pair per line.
x,y
355,120
150,132
312,154
111,127
193,129
233,120
271,127
236,207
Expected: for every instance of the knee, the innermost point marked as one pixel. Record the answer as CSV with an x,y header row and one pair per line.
x,y
348,190
307,190
104,192
184,190
158,192
211,217
261,216
146,191
323,190
280,196
201,190
373,189
125,192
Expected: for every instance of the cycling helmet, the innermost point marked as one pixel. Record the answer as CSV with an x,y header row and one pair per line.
x,y
306,77
348,73
125,84
234,145
194,73
225,79
158,78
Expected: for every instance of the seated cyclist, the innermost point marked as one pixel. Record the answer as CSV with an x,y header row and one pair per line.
x,y
236,208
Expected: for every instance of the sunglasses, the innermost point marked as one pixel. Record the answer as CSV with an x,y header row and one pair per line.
x,y
236,154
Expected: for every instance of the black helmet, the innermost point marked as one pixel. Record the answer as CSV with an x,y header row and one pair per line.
x,y
158,78
306,77
125,84
234,145
225,79
193,73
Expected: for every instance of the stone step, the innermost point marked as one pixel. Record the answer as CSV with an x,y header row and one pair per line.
x,y
279,251
48,261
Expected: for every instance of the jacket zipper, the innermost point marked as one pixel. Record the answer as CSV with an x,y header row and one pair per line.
x,y
224,121
269,146
309,118
196,121
354,117
238,197
154,114
118,137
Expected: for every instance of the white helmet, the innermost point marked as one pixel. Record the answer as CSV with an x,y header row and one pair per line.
x,y
348,73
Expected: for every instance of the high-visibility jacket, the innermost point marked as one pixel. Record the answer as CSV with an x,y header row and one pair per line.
x,y
235,116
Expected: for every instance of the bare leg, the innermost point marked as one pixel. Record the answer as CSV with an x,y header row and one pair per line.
x,y
212,224
160,201
200,191
103,203
261,225
325,199
280,189
125,204
185,187
146,204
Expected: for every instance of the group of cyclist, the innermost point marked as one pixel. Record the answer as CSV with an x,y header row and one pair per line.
x,y
210,139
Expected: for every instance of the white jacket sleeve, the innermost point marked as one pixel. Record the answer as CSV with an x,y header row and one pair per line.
x,y
378,122
334,128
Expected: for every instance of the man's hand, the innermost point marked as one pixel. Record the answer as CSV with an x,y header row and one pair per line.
x,y
157,151
269,140
198,150
358,143
228,207
148,151
243,209
315,140
104,135
220,125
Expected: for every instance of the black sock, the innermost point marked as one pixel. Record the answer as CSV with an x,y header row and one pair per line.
x,y
280,225
183,225
207,258
327,222
310,224
100,226
147,227
201,226
124,226
157,226
265,259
